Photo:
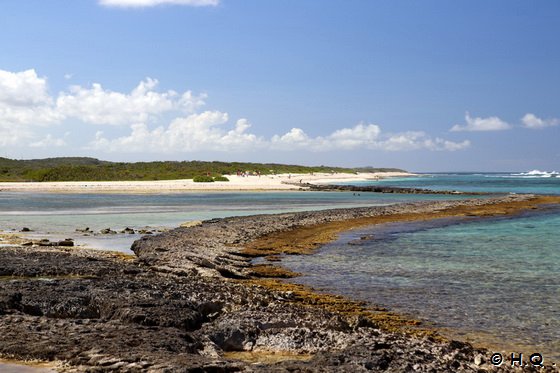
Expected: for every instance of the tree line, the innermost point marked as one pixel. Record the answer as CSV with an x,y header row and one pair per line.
x,y
91,169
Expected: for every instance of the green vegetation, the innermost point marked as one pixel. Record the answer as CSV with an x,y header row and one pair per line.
x,y
377,169
220,178
91,169
203,179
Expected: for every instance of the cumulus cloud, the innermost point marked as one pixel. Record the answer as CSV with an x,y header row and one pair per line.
x,y
361,135
533,122
48,142
10,135
23,88
25,104
481,124
211,131
97,105
151,3
416,140
24,100
169,122
364,136
208,130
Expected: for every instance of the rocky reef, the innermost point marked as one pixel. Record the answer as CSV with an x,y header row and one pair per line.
x,y
382,189
192,301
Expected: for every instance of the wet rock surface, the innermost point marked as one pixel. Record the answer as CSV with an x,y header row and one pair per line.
x,y
213,248
188,300
382,189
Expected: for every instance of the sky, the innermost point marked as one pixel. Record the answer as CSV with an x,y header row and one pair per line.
x,y
420,85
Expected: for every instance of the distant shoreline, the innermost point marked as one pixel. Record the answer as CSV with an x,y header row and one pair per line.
x,y
280,182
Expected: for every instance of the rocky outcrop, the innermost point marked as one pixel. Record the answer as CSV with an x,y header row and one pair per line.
x,y
215,247
381,189
188,304
104,315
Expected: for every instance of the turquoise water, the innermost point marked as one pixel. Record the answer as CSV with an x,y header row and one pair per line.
x,y
493,281
57,216
511,182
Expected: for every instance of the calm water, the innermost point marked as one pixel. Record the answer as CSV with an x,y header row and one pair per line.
x,y
495,281
57,216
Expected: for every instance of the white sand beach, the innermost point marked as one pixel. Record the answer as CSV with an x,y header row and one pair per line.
x,y
236,183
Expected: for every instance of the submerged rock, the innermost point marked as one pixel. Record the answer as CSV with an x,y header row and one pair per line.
x,y
107,231
178,309
66,242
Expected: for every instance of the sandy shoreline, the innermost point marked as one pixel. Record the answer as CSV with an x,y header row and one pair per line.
x,y
280,182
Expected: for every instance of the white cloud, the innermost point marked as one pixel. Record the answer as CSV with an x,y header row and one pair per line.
x,y
363,136
99,106
25,104
533,122
150,3
48,142
23,88
481,124
10,135
24,100
351,138
441,144
210,131
416,140
196,132
295,137
360,136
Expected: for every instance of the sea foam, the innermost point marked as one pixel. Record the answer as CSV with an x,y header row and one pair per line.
x,y
538,173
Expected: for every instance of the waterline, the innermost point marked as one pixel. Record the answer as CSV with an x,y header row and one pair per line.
x,y
496,276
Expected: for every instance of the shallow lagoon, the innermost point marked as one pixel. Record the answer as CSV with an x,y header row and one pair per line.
x,y
478,280
57,216
495,281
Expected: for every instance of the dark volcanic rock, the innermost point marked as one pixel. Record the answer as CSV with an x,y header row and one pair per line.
x,y
213,247
176,309
107,231
381,189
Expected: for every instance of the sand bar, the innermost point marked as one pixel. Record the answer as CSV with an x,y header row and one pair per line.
x,y
281,182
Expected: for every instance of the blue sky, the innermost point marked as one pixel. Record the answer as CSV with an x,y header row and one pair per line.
x,y
421,85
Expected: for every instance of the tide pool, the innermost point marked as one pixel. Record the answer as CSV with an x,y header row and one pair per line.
x,y
492,281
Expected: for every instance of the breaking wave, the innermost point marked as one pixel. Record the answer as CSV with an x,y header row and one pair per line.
x,y
538,173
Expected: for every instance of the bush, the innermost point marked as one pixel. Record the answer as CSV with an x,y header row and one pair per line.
x,y
203,179
221,178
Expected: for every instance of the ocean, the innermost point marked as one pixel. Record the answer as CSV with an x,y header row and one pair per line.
x,y
58,216
539,182
494,281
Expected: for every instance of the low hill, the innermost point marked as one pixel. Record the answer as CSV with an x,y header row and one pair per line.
x,y
91,169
